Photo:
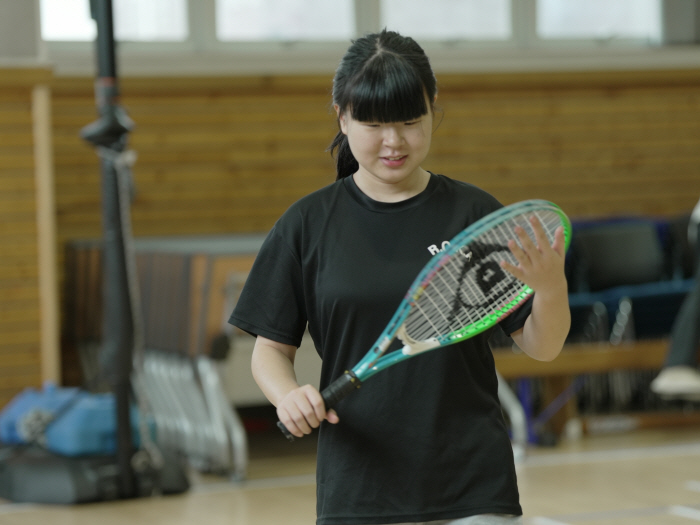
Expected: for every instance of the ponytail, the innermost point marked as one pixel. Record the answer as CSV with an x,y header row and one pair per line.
x,y
345,163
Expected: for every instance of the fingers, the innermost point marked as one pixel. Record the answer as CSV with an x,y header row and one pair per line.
x,y
511,268
302,410
531,249
332,416
559,244
538,229
537,260
525,250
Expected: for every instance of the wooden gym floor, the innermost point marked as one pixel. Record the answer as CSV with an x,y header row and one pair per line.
x,y
645,477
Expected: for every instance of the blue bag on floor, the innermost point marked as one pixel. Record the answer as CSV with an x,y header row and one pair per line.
x,y
66,421
31,407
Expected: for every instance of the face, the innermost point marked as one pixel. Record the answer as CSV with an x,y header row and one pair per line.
x,y
388,153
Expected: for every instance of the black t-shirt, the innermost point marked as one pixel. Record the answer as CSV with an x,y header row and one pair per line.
x,y
425,439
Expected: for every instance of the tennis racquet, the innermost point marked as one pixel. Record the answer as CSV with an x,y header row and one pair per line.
x,y
460,292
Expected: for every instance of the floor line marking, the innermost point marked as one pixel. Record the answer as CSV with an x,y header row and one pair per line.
x,y
264,483
684,512
541,520
11,508
597,456
611,515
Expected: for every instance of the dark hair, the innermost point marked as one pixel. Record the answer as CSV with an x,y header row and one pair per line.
x,y
383,77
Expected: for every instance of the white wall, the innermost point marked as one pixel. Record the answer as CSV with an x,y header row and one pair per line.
x,y
20,34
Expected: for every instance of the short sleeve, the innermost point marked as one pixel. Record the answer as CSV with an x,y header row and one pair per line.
x,y
516,320
271,303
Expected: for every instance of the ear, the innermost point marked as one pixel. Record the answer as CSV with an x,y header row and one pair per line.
x,y
341,119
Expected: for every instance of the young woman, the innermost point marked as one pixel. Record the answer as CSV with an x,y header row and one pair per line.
x,y
426,441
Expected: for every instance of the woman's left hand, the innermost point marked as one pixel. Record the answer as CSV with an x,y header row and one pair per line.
x,y
540,265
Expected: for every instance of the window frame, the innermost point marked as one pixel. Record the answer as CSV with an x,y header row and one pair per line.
x,y
202,53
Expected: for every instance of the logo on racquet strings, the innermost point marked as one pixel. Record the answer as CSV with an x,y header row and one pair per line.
x,y
482,271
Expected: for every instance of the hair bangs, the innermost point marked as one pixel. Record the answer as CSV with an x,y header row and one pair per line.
x,y
387,91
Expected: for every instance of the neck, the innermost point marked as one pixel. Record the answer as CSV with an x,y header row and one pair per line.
x,y
388,191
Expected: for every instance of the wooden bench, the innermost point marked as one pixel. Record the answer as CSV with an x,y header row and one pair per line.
x,y
584,358
590,358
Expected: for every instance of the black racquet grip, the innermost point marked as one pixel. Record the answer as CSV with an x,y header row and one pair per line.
x,y
339,389
331,395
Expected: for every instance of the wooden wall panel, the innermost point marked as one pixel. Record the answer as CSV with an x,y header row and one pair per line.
x,y
597,144
214,156
222,155
20,315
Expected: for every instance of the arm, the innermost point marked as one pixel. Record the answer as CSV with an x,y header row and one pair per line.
x,y
300,408
541,267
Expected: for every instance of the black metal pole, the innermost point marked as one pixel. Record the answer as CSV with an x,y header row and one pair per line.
x,y
109,134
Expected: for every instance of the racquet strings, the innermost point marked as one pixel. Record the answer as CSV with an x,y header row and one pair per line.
x,y
468,285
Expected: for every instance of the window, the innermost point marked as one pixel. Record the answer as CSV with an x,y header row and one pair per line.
x,y
135,20
273,36
334,20
599,19
284,20
449,19
66,20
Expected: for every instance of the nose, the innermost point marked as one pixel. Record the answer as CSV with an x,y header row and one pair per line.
x,y
393,135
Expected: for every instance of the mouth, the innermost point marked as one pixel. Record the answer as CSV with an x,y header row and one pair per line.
x,y
394,161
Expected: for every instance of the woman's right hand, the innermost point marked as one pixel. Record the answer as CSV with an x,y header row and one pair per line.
x,y
299,408
303,409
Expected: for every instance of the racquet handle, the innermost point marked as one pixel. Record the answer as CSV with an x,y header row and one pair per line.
x,y
339,389
331,395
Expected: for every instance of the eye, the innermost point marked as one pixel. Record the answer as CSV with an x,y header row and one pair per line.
x,y
412,122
